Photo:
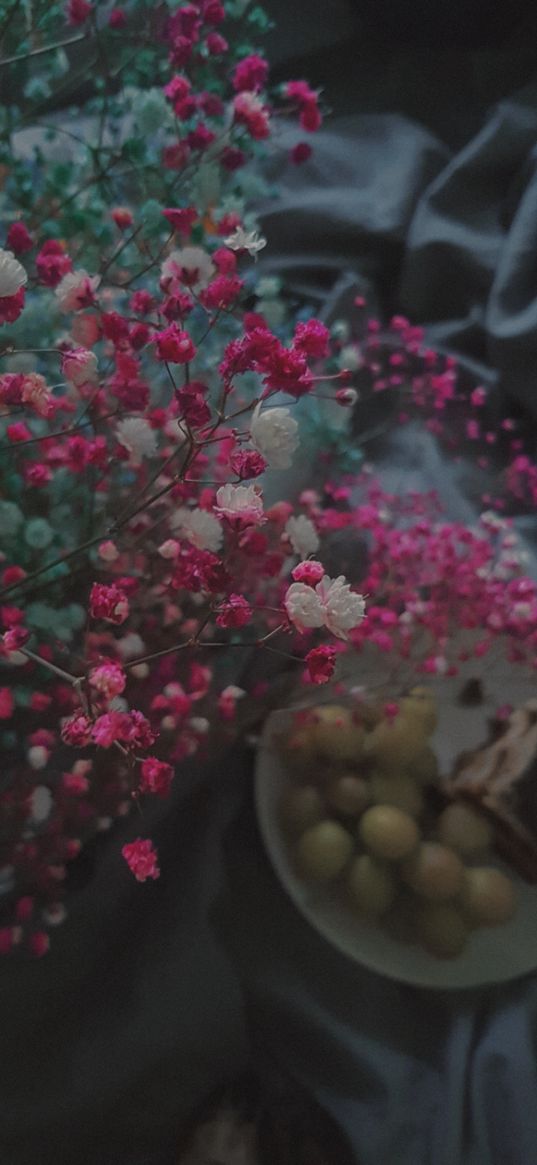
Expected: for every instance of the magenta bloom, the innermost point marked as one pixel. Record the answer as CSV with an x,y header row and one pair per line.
x,y
320,662
142,859
109,603
157,777
174,345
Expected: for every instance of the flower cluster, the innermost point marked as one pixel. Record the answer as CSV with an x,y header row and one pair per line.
x,y
136,415
152,390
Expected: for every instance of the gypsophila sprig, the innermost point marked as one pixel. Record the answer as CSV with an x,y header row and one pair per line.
x,y
147,415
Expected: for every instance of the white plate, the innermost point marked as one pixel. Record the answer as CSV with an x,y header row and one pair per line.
x,y
493,955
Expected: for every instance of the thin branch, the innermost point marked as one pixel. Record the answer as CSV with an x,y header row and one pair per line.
x,y
49,48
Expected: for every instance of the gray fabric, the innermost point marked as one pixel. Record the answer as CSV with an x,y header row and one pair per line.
x,y
110,1042
413,1077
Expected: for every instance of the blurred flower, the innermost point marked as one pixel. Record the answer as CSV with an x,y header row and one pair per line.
x,y
302,535
274,433
12,274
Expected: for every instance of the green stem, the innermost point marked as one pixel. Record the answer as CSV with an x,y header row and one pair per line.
x,y
49,48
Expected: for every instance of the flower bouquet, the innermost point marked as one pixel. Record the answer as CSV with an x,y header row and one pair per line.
x,y
152,388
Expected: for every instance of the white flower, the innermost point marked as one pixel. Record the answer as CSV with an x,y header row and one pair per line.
x,y
200,528
40,804
55,914
242,240
304,606
191,267
242,504
138,437
130,646
79,366
344,609
302,535
12,274
274,434
38,757
350,357
169,549
331,604
76,290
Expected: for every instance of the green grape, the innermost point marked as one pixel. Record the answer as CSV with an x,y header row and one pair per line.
x,y
371,886
464,829
388,832
396,744
488,897
348,794
336,735
434,872
323,851
420,705
442,930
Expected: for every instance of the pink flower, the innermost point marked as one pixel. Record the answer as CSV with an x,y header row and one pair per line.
x,y
320,662
286,370
7,703
117,18
142,859
177,89
227,701
312,338
15,638
216,44
38,943
76,290
52,263
346,397
174,345
250,74
234,612
306,99
109,603
140,733
300,153
123,217
189,267
250,111
108,551
110,728
79,366
76,731
108,678
213,12
78,11
242,505
19,238
182,219
35,392
11,306
308,572
157,777
247,463
222,292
